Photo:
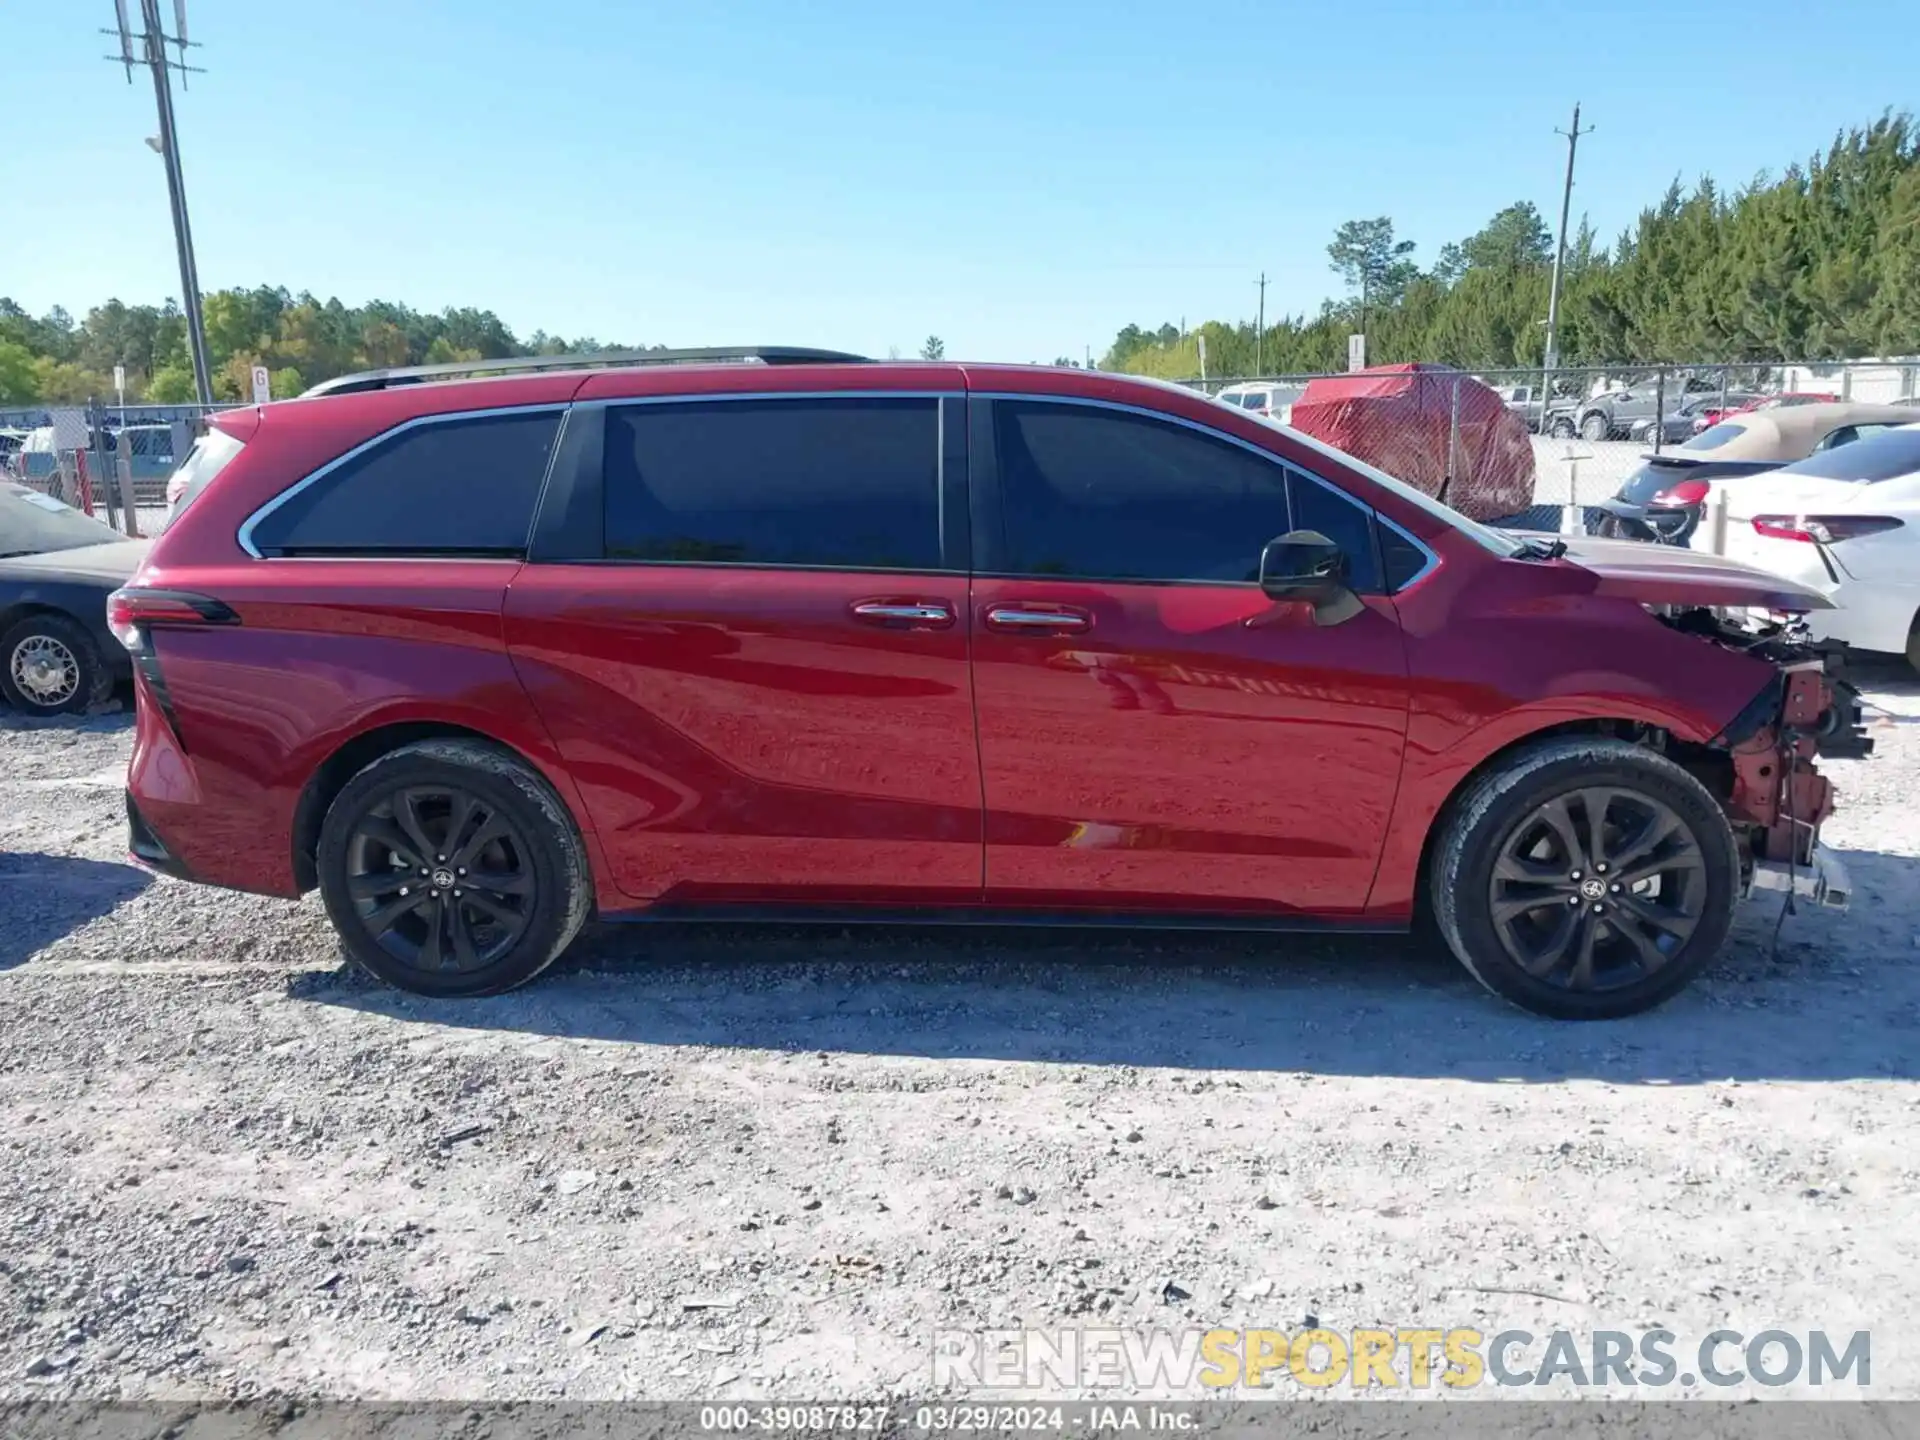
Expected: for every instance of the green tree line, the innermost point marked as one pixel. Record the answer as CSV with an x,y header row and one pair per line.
x,y
1822,263
301,339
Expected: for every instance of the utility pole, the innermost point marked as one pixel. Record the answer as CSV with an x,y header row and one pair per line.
x,y
1559,266
1260,330
153,53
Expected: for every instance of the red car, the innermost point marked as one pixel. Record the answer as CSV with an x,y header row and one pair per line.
x,y
1741,404
800,634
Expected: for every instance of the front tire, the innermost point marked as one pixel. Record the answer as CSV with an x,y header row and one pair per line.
x,y
1585,878
50,666
1595,428
451,869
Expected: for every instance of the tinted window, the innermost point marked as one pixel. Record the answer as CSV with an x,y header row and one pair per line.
x,y
853,483
462,487
1348,525
1104,494
1886,456
1400,558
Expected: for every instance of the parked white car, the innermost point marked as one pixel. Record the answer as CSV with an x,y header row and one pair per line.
x,y
1262,398
1846,522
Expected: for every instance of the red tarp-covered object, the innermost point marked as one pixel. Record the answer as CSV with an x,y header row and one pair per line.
x,y
1399,418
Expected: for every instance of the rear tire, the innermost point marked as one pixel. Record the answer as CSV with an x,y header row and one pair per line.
x,y
50,666
1913,643
451,869
1595,427
1520,894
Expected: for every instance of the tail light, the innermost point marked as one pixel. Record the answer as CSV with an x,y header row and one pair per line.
x,y
1687,492
132,611
1823,529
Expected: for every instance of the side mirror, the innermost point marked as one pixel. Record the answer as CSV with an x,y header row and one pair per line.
x,y
1306,565
1302,565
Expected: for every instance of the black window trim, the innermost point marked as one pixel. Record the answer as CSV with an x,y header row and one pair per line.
x,y
245,534
571,531
989,514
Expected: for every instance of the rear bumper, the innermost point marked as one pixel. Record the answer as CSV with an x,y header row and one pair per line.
x,y
1822,881
1664,525
147,850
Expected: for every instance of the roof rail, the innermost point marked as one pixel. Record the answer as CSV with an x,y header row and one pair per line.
x,y
602,360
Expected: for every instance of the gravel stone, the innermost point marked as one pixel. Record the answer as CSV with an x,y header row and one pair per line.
x,y
1239,1131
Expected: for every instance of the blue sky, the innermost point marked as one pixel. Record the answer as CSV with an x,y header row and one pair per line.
x,y
1021,179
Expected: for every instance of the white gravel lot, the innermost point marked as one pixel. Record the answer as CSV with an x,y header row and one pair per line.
x,y
699,1164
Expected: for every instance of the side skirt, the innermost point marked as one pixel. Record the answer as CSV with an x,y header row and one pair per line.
x,y
997,916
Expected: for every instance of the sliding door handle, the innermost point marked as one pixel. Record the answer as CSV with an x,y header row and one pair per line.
x,y
1023,619
905,614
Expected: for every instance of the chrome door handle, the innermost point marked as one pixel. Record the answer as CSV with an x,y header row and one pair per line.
x,y
1013,617
901,612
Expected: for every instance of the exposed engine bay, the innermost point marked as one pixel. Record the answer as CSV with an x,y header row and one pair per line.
x,y
1774,795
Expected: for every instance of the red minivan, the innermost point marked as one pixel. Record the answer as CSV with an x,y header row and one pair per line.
x,y
786,633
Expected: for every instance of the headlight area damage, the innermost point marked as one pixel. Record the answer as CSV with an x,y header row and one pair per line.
x,y
1774,795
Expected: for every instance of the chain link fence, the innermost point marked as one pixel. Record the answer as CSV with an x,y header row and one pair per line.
x,y
1534,449
1517,447
111,462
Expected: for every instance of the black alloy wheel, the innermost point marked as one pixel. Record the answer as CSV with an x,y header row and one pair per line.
x,y
1598,889
451,868
440,879
1584,877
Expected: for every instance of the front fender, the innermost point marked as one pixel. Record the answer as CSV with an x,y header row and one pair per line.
x,y
1495,666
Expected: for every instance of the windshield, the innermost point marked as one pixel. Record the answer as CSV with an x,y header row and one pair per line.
x,y
1886,456
33,524
1498,541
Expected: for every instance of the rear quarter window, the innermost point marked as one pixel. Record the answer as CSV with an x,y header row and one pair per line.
x,y
465,485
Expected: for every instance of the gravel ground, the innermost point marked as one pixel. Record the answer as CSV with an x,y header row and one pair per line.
x,y
724,1165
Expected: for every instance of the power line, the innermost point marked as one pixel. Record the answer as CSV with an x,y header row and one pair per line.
x,y
153,41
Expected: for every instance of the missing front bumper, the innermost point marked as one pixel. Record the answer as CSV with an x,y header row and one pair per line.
x,y
1822,881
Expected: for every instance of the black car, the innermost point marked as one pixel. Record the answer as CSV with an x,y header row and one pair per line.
x,y
57,567
1661,500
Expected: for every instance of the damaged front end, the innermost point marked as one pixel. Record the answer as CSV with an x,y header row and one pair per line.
x,y
1774,795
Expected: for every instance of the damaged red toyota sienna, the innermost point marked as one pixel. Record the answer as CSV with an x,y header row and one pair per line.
x,y
786,633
